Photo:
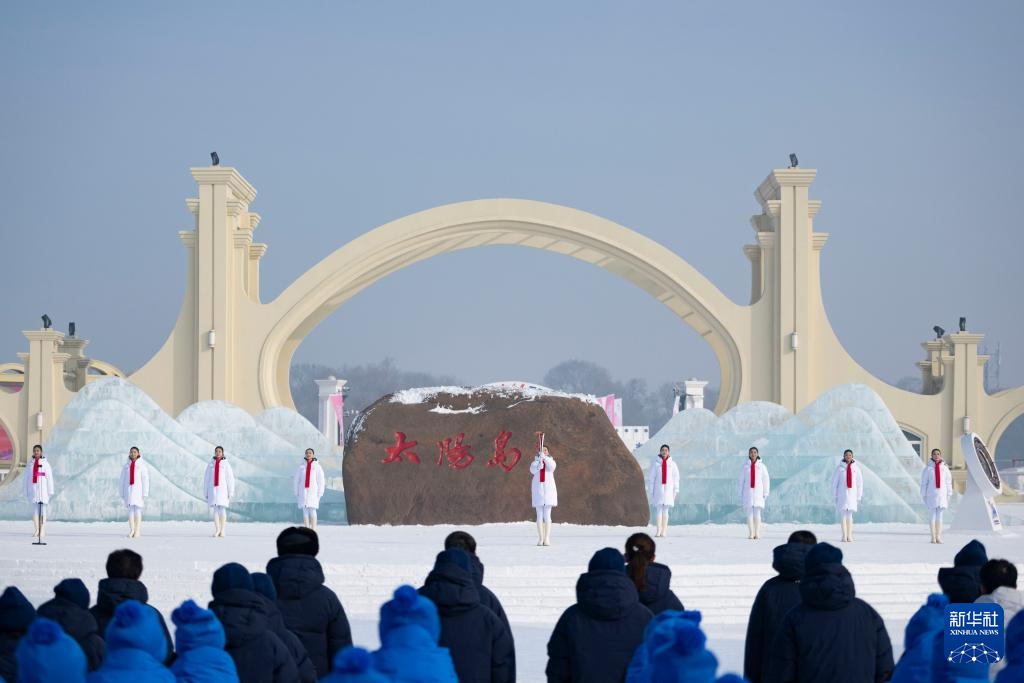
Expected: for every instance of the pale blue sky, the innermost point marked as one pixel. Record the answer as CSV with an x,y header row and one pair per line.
x,y
661,116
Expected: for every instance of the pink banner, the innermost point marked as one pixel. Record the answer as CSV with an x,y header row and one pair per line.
x,y
338,402
612,408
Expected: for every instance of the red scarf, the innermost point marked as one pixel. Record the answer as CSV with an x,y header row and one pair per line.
x,y
216,471
542,468
309,464
938,479
664,471
131,474
849,475
35,470
753,473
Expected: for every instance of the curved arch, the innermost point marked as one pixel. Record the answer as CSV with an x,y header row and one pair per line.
x,y
12,436
1004,423
105,368
391,247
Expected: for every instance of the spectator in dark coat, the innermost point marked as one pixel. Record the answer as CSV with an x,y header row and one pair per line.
x,y
1014,671
464,541
652,580
595,639
311,610
260,656
409,631
777,596
136,648
264,587
962,581
477,639
124,567
16,615
831,635
354,665
70,609
47,655
199,645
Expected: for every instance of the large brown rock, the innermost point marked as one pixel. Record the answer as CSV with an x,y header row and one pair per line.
x,y
599,481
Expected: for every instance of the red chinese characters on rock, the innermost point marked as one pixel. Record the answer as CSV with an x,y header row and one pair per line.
x,y
395,452
506,460
457,455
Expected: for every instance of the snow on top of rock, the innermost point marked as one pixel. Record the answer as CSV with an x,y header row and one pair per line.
x,y
524,390
472,410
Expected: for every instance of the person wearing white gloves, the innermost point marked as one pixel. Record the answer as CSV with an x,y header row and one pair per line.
x,y
310,485
219,487
134,488
754,486
38,488
936,490
847,490
663,487
544,493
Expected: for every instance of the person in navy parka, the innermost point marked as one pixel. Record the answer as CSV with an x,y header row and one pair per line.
x,y
962,581
477,639
199,645
776,597
311,610
464,541
16,615
260,656
264,587
136,648
70,609
917,663
46,655
831,635
595,639
409,631
1014,671
652,580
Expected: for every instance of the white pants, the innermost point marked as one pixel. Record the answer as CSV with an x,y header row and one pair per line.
x,y
754,513
134,512
664,509
311,513
39,509
847,514
543,513
219,512
937,514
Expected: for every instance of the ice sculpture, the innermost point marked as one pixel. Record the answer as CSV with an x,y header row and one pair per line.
x,y
801,452
90,442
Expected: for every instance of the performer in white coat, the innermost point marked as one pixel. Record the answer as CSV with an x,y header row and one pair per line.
x,y
663,487
847,490
38,489
219,487
754,486
310,485
936,489
544,493
134,489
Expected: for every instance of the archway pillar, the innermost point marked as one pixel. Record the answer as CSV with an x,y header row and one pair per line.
x,y
964,370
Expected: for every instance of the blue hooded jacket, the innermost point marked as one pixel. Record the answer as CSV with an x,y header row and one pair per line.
x,y
1014,671
70,609
354,665
409,632
16,615
136,648
47,654
917,663
199,644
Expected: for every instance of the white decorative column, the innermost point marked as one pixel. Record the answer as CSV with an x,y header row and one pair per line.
x,y
694,396
326,420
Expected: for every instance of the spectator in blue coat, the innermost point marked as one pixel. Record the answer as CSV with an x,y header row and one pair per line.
x,y
136,648
776,597
652,579
477,639
46,655
264,587
199,645
831,635
680,655
640,666
409,633
16,615
70,609
962,581
917,664
311,610
1014,671
354,665
594,640
260,656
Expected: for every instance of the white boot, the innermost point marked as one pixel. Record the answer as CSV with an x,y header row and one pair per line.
x,y
750,527
138,525
312,521
216,525
35,525
223,525
757,528
131,526
547,533
931,525
664,526
540,533
849,530
842,522
305,522
938,531
42,527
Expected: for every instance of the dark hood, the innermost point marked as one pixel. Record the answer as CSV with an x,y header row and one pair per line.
x,y
827,587
657,580
960,584
606,594
295,576
476,568
451,588
788,560
16,612
112,592
76,621
242,613
274,617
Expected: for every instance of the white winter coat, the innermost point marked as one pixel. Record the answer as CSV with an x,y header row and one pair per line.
x,y
933,497
546,493
135,495
42,490
754,497
847,498
219,495
658,493
310,498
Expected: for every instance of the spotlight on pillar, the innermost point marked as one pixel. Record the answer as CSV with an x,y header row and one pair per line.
x,y
938,332
794,341
963,324
793,161
211,338
71,329
39,421
47,323
967,424
215,159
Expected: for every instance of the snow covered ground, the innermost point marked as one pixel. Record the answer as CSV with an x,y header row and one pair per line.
x,y
715,568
